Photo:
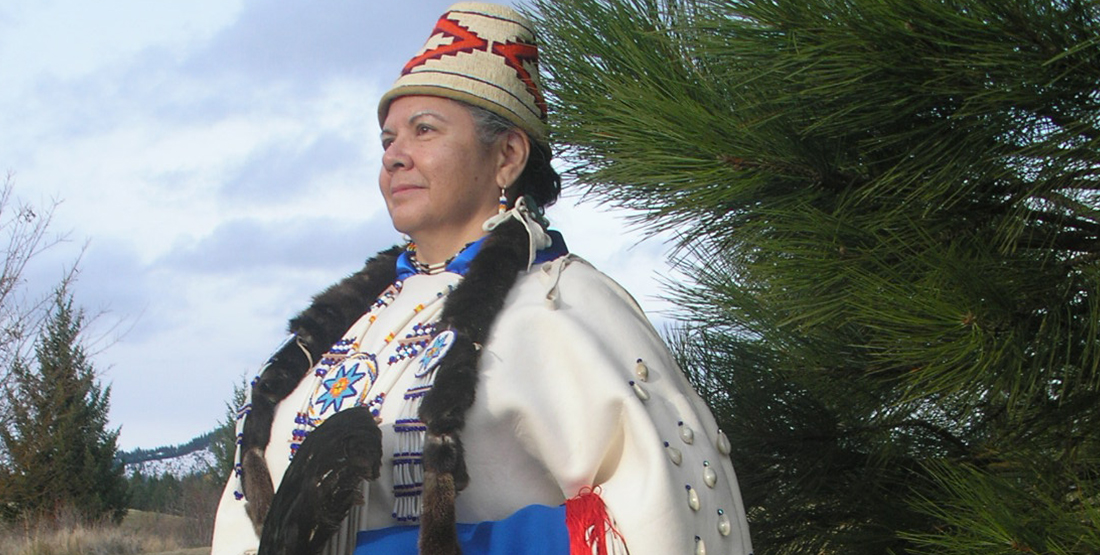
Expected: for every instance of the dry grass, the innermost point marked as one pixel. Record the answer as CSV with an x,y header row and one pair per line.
x,y
140,533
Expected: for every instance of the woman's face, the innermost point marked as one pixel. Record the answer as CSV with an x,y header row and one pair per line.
x,y
439,181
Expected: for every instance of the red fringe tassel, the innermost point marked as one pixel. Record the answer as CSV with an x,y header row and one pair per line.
x,y
588,523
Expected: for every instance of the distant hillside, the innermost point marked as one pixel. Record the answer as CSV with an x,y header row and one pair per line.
x,y
181,460
143,455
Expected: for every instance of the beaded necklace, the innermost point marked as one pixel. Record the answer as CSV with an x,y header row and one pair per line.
x,y
432,269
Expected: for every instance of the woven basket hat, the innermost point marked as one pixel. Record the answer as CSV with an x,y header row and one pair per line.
x,y
481,54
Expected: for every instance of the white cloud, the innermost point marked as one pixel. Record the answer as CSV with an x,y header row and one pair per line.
x,y
67,39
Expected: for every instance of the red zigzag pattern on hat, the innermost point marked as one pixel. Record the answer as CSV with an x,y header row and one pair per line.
x,y
514,54
466,41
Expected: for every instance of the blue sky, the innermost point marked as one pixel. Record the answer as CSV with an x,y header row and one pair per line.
x,y
219,158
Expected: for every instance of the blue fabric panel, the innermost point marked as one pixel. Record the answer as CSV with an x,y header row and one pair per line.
x,y
404,266
459,265
533,530
556,248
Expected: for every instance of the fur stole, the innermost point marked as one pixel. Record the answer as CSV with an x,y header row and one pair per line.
x,y
469,311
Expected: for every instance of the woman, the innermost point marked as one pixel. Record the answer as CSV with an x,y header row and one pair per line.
x,y
523,402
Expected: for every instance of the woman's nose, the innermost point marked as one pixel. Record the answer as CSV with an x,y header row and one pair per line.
x,y
395,157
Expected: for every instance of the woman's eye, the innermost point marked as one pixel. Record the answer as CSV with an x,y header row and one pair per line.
x,y
386,143
423,128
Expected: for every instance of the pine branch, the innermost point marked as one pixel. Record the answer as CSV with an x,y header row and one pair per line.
x,y
938,431
742,164
890,215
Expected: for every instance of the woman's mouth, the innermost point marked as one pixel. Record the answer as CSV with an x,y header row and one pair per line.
x,y
399,189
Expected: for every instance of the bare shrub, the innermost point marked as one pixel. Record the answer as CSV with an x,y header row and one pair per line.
x,y
199,503
194,498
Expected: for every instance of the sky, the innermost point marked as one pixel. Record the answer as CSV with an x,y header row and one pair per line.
x,y
216,164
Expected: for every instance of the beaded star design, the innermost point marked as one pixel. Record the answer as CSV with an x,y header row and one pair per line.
x,y
339,387
435,351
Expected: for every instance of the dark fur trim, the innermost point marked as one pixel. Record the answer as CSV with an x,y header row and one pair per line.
x,y
257,486
438,535
315,330
322,483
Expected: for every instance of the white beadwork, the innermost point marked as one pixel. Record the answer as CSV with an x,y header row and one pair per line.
x,y
700,546
642,371
710,477
641,393
723,443
674,454
686,434
408,470
724,526
693,498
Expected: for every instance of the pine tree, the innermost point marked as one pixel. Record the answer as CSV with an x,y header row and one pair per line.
x,y
61,454
224,440
24,236
890,213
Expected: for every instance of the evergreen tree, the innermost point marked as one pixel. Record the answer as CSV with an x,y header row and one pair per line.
x,y
161,493
224,440
24,236
890,211
61,455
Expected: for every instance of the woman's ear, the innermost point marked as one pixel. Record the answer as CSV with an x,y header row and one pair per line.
x,y
514,148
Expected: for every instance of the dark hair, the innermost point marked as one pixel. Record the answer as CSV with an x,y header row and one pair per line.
x,y
538,179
